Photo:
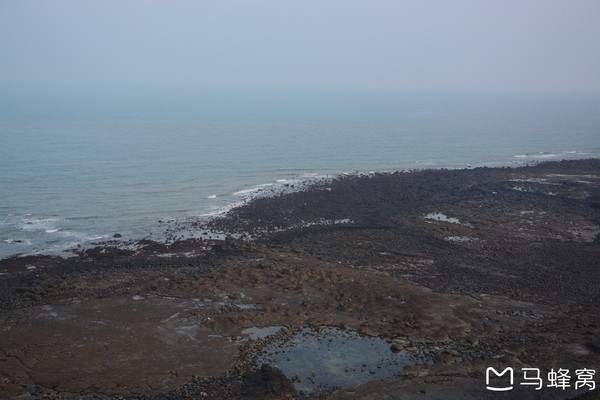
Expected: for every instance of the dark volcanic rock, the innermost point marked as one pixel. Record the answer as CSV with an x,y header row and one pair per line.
x,y
268,383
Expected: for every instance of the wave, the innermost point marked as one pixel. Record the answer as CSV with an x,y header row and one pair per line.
x,y
73,241
17,241
41,236
253,189
546,154
313,175
423,162
36,221
221,210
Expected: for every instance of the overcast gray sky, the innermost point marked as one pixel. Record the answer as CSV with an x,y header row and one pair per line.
x,y
421,45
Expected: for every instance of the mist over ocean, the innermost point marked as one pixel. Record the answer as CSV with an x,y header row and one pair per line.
x,y
75,170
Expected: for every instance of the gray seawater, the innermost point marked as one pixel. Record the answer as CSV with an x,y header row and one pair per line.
x,y
74,170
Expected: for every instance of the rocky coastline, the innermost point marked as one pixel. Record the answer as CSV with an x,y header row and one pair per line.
x,y
461,269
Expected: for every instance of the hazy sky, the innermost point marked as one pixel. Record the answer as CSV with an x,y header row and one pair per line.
x,y
421,45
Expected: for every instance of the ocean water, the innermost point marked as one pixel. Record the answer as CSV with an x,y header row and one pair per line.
x,y
75,170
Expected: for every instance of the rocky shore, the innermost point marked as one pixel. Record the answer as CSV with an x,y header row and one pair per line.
x,y
450,271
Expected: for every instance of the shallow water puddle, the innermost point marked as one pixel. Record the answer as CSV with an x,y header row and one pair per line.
x,y
260,333
329,358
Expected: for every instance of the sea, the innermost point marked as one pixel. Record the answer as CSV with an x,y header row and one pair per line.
x,y
76,169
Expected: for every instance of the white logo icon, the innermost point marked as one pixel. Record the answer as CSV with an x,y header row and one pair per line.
x,y
508,370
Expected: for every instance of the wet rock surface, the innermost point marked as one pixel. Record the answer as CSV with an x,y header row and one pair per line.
x,y
468,268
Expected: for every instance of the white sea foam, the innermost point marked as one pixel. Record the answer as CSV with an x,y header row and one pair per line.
x,y
214,213
316,175
33,221
212,196
548,155
17,241
423,162
52,230
246,191
251,190
220,211
70,241
36,224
